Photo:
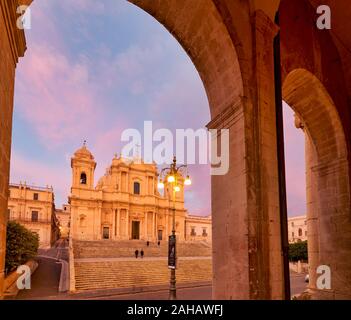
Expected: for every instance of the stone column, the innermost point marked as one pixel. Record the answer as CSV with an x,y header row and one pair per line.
x,y
329,227
113,231
145,227
166,226
12,46
153,226
127,224
156,226
118,223
245,200
98,221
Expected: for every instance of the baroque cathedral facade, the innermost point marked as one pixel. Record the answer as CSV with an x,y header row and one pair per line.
x,y
125,204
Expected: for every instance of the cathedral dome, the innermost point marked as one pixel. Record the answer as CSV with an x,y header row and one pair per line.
x,y
84,153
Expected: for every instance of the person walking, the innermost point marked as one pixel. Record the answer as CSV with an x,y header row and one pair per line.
x,y
136,253
142,253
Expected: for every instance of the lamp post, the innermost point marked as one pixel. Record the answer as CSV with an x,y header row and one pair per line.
x,y
171,175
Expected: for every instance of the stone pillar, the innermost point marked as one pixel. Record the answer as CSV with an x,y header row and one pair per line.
x,y
145,227
245,200
127,224
156,226
113,231
153,225
329,228
12,46
118,223
98,222
166,225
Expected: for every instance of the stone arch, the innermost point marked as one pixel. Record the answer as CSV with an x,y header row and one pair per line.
x,y
200,30
214,48
327,175
308,97
246,222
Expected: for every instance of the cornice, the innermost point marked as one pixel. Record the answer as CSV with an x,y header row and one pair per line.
x,y
15,36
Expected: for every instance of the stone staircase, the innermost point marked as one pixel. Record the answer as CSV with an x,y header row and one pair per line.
x,y
112,264
126,249
139,273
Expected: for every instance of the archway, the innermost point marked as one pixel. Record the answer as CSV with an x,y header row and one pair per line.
x,y
327,181
246,223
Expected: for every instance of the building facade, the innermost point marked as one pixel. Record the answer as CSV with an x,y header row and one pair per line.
x,y
125,204
297,229
64,217
34,208
198,228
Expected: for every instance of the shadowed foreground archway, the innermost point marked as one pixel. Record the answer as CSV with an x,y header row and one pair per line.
x,y
246,223
231,45
327,174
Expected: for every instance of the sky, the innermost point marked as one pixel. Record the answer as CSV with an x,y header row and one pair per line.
x,y
94,68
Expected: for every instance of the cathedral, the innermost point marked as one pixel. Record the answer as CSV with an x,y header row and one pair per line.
x,y
125,204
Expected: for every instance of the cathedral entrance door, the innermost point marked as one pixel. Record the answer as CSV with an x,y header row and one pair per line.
x,y
106,233
136,230
160,235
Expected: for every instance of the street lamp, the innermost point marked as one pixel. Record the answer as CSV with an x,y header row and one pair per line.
x,y
171,175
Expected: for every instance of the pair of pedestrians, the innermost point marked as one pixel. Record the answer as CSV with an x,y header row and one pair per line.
x,y
137,253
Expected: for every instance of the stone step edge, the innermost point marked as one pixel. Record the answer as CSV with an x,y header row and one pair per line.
x,y
100,293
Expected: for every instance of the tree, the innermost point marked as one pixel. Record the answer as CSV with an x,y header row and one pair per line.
x,y
21,246
298,251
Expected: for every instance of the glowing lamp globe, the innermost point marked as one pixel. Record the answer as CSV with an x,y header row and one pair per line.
x,y
187,181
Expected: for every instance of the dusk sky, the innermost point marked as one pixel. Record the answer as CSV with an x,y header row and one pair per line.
x,y
97,67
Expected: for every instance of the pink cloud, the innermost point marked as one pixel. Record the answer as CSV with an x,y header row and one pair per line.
x,y
41,174
56,96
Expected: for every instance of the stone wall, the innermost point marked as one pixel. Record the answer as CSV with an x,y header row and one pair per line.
x,y
231,45
12,46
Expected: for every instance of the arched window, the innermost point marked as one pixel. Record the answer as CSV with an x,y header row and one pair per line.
x,y
83,178
300,232
136,188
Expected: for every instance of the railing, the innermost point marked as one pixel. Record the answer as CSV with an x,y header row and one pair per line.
x,y
31,187
72,274
30,220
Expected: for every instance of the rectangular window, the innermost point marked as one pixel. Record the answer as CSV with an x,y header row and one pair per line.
x,y
204,232
136,188
35,216
35,196
193,232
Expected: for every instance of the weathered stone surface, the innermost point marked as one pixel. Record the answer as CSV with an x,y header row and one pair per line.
x,y
231,44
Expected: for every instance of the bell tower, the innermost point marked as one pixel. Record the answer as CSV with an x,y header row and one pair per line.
x,y
83,168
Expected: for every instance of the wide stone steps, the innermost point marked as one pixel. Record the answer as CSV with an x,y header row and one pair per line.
x,y
138,273
124,249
